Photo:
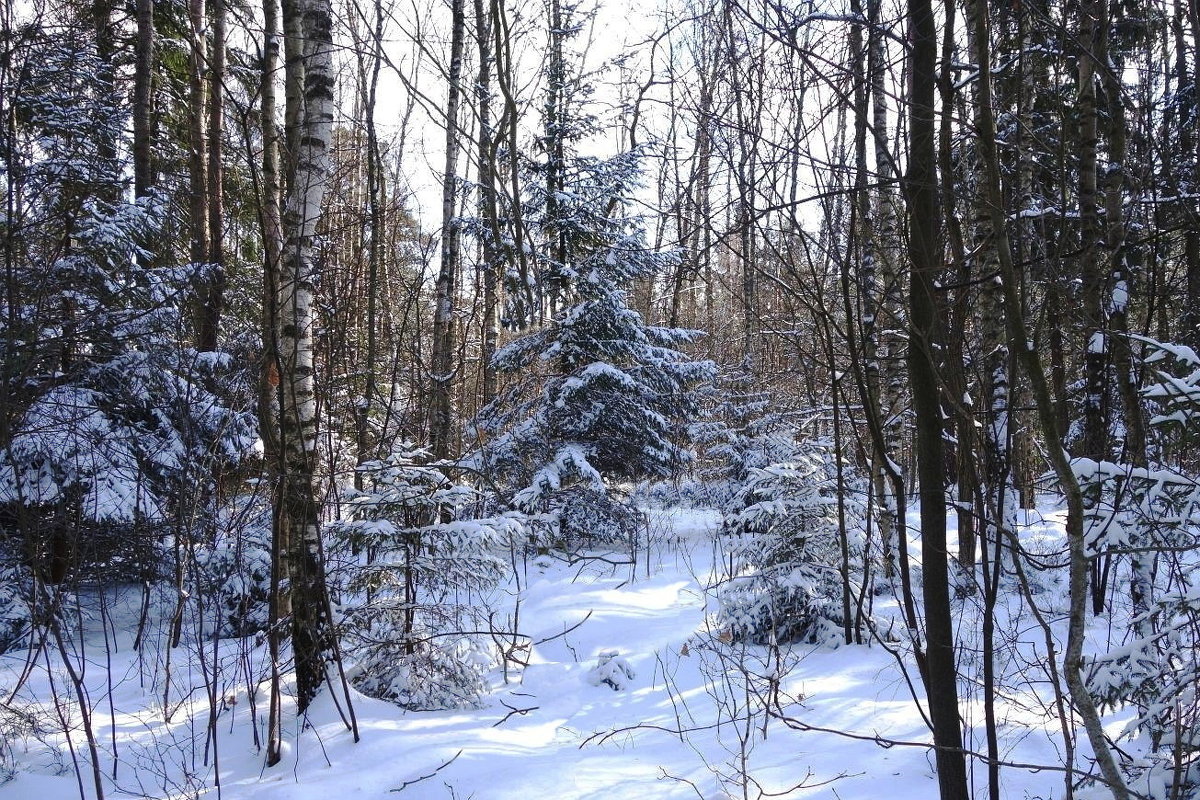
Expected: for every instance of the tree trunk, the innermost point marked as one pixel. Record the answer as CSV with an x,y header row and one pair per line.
x,y
488,210
364,446
213,292
1188,168
297,503
887,315
143,77
441,371
198,156
994,358
925,255
555,147
1093,21
272,235
966,474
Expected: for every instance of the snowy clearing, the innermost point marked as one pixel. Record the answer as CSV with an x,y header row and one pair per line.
x,y
685,722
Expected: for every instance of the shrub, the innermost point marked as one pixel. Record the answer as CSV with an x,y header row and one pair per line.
x,y
784,545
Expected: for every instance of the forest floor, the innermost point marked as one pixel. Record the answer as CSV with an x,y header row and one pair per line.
x,y
688,719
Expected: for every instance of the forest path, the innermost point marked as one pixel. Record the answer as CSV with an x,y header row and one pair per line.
x,y
551,733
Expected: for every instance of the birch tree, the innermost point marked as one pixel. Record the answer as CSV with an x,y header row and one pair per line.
x,y
442,362
297,520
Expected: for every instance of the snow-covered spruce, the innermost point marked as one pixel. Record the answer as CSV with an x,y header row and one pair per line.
x,y
235,567
783,539
114,425
602,396
411,566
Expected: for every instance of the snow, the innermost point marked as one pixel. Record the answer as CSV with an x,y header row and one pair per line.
x,y
1120,297
629,691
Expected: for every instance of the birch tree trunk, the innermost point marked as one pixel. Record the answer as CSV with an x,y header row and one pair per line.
x,y
297,503
442,358
887,315
198,157
272,235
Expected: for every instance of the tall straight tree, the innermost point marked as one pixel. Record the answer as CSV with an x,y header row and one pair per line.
x,y
925,256
376,198
143,125
198,139
297,518
272,237
213,294
442,358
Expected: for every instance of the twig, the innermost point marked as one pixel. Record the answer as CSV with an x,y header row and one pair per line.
x,y
512,710
444,764
565,631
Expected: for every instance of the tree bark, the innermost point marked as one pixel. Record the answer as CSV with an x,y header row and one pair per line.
x,y
441,370
488,209
213,291
364,446
925,255
272,235
297,503
143,76
198,142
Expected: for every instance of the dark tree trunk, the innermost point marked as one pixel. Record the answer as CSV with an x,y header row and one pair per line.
x,y
925,255
212,296
143,77
488,212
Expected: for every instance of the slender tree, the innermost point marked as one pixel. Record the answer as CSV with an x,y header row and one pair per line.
x,y
442,369
925,255
297,519
143,77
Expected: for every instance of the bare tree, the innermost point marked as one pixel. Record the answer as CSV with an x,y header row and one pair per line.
x,y
925,256
297,518
442,369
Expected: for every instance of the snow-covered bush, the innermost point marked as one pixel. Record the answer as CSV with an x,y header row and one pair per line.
x,y
109,421
1152,514
611,670
235,569
419,670
16,616
785,548
415,569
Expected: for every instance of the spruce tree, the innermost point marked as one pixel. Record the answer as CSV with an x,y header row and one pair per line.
x,y
602,395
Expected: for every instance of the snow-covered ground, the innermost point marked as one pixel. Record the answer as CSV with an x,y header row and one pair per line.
x,y
685,725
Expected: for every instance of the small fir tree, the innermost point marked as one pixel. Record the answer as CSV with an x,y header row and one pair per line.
x,y
604,396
